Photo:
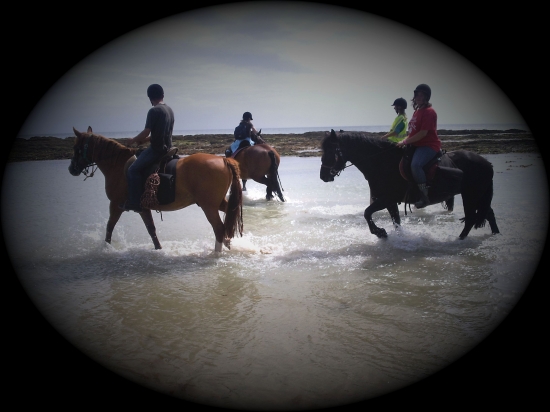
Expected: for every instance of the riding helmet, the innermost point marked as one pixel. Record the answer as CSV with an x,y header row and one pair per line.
x,y
247,116
155,91
424,88
400,102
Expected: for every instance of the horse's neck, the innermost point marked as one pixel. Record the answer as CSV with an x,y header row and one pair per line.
x,y
112,158
370,159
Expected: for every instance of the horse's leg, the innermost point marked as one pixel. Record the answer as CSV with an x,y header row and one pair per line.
x,y
492,221
450,204
377,205
394,213
244,184
269,190
273,176
114,215
147,218
469,218
213,217
223,206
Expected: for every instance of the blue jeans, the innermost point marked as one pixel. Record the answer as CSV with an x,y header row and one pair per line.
x,y
422,155
136,174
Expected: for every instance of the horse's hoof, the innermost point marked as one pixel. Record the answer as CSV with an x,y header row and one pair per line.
x,y
227,243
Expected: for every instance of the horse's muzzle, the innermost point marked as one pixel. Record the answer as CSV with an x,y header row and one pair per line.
x,y
325,175
73,169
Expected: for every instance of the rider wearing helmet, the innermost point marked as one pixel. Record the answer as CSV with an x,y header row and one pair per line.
x,y
422,133
158,131
244,132
398,130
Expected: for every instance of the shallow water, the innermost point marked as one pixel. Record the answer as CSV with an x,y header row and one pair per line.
x,y
307,309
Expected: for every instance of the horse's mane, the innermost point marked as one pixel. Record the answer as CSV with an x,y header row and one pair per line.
x,y
357,142
105,148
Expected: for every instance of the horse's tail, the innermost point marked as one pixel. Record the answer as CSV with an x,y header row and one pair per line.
x,y
234,214
274,176
484,206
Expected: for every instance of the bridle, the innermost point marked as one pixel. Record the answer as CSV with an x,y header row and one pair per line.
x,y
339,157
84,156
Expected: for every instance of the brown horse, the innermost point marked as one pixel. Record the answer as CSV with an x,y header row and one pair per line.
x,y
261,163
202,179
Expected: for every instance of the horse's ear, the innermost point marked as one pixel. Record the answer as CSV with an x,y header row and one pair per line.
x,y
332,133
76,132
89,129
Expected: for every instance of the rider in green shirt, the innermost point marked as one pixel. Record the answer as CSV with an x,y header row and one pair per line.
x,y
398,130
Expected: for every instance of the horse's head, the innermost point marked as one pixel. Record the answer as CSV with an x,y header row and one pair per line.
x,y
82,155
332,160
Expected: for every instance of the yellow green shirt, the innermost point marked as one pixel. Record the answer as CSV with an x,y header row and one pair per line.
x,y
400,127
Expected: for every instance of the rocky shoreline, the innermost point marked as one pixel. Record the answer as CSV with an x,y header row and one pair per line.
x,y
301,145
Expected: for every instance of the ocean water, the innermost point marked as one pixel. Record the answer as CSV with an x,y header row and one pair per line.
x,y
307,310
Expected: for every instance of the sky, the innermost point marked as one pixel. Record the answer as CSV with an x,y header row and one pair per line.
x,y
292,64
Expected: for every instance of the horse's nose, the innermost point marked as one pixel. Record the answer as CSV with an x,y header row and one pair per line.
x,y
72,169
326,177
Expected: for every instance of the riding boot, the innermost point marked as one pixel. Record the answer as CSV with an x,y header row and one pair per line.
x,y
228,152
424,201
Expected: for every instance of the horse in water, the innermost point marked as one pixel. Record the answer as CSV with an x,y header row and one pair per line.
x,y
379,160
260,163
202,179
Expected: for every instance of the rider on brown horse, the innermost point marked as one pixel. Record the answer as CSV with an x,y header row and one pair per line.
x,y
158,131
245,135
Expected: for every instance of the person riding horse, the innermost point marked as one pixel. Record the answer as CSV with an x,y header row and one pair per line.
x,y
398,130
422,134
245,135
158,131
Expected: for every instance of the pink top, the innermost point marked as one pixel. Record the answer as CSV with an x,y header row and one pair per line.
x,y
425,119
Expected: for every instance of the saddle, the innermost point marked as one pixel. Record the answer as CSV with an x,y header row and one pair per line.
x,y
443,177
160,183
245,143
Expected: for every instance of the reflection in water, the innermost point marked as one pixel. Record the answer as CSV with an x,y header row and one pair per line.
x,y
307,309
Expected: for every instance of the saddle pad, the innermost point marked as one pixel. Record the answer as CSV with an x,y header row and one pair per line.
x,y
167,187
238,151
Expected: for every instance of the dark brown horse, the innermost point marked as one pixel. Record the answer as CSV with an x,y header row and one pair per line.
x,y
261,164
379,160
201,179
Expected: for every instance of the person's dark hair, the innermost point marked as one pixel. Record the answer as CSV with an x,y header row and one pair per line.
x,y
424,88
247,116
155,91
400,102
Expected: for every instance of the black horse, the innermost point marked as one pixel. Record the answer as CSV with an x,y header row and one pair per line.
x,y
379,161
